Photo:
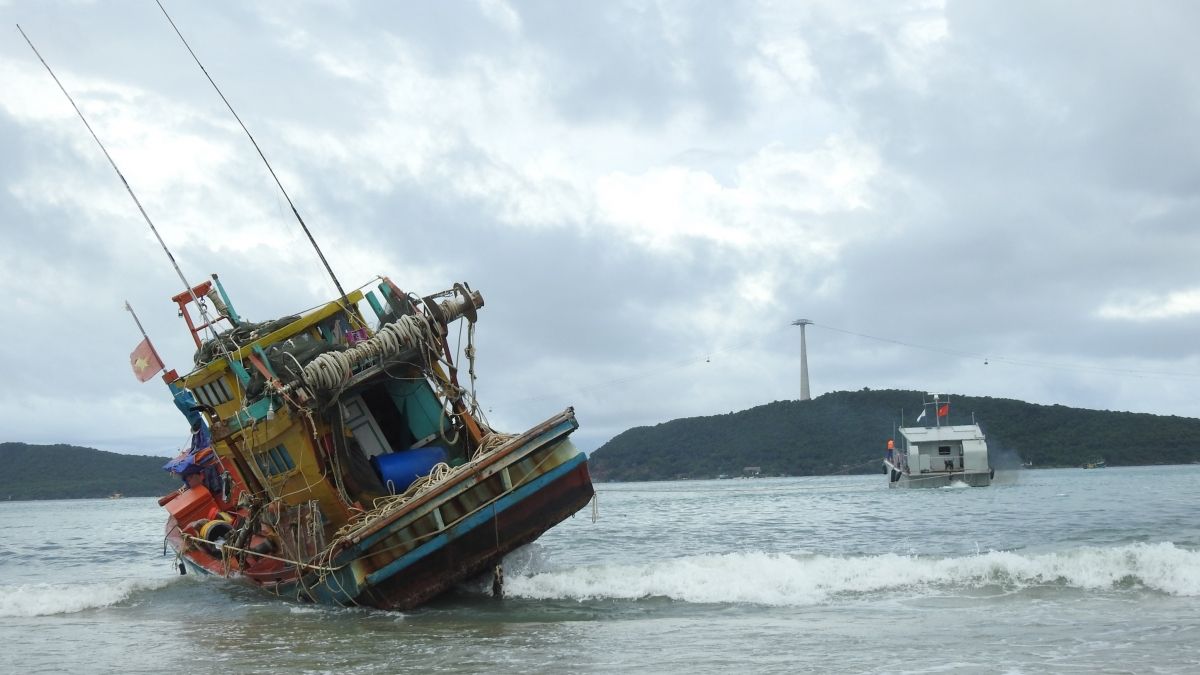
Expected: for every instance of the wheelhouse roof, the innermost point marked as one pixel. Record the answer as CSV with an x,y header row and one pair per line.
x,y
957,432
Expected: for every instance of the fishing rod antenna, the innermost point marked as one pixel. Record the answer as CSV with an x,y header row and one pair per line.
x,y
113,163
320,254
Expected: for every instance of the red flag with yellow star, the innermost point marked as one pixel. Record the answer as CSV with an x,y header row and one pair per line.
x,y
145,361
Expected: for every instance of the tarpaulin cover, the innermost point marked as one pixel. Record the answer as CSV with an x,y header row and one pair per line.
x,y
189,462
186,462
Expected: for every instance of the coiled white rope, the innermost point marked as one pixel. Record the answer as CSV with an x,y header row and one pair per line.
x,y
441,472
332,370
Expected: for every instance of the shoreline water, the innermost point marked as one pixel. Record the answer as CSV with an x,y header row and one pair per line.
x,y
1072,569
679,480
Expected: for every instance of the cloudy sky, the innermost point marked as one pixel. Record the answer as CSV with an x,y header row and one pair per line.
x,y
646,193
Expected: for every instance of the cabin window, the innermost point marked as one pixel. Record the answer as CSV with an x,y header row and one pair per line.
x,y
214,393
275,461
943,450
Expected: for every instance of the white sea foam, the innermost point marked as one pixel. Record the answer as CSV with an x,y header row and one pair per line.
x,y
779,579
47,599
307,609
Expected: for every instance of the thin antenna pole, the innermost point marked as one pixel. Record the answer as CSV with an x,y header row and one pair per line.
x,y
135,319
195,58
128,189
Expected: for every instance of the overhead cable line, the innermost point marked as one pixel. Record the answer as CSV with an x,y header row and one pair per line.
x,y
667,366
1030,363
663,367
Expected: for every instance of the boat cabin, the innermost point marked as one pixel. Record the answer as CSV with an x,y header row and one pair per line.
x,y
941,453
949,448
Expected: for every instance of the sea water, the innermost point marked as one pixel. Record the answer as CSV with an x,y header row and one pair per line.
x,y
1045,571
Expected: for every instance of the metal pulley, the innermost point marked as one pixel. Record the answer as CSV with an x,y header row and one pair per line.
x,y
465,303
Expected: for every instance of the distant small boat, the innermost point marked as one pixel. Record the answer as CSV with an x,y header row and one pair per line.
x,y
939,455
116,495
1098,464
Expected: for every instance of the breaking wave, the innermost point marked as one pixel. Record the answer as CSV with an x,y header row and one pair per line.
x,y
48,599
791,580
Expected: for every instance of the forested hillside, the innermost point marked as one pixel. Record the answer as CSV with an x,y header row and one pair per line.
x,y
844,431
70,472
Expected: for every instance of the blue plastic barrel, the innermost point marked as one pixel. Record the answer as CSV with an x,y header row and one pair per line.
x,y
406,466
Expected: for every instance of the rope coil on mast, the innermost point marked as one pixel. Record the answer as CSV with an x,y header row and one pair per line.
x,y
332,370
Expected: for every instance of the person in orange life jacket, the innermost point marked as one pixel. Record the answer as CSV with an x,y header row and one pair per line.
x,y
891,448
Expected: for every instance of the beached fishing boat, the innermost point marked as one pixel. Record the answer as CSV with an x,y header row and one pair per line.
x,y
337,463
341,462
938,454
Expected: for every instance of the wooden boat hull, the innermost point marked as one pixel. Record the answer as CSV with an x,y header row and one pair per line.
x,y
478,544
457,531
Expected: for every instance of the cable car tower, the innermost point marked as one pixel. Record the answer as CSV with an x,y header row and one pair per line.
x,y
804,393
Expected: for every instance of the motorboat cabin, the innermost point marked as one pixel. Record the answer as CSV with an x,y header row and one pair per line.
x,y
939,454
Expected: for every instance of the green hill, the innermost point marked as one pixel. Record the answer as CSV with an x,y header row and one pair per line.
x,y
70,472
845,431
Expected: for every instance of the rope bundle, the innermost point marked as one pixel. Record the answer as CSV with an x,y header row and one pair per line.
x,y
385,506
332,370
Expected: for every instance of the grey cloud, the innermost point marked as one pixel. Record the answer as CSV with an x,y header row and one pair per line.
x,y
1041,166
616,61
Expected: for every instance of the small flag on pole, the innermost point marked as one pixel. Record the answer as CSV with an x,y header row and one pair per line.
x,y
921,416
145,361
944,411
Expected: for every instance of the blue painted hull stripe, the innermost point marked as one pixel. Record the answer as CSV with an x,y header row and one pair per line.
x,y
473,521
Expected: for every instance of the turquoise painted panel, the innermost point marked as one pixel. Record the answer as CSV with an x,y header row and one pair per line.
x,y
243,375
256,411
387,296
228,303
266,362
415,399
375,306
